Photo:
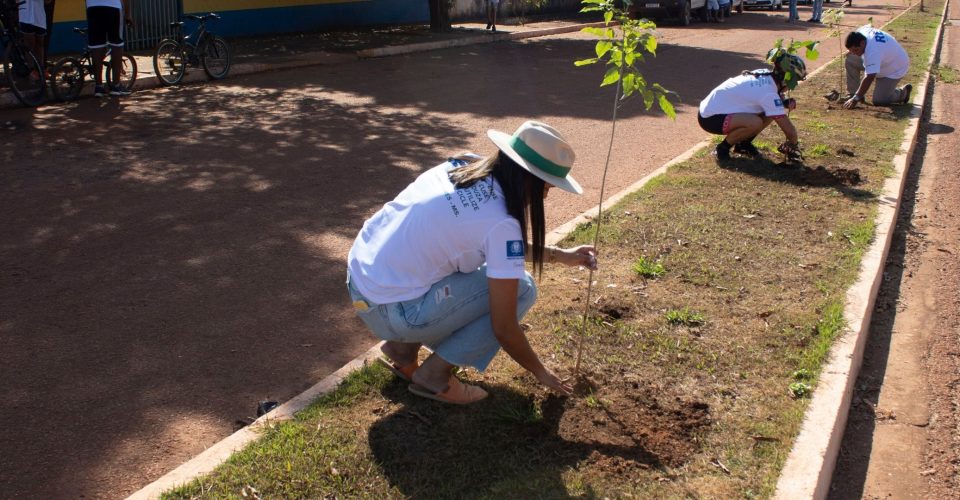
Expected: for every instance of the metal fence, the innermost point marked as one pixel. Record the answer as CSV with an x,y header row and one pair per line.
x,y
152,20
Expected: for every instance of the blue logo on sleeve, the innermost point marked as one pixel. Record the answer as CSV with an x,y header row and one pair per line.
x,y
778,103
515,249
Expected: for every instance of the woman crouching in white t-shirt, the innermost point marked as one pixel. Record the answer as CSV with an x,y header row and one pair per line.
x,y
442,265
741,107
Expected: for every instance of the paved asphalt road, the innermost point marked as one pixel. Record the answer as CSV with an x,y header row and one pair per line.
x,y
169,259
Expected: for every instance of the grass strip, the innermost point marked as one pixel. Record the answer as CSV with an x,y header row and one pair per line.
x,y
720,296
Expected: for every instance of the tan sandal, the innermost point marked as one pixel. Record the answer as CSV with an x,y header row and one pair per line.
x,y
456,393
405,372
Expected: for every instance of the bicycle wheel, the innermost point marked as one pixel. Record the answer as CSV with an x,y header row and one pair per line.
x,y
169,62
128,72
215,58
24,75
66,78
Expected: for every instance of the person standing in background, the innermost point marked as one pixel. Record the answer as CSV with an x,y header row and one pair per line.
x,y
48,6
793,16
817,12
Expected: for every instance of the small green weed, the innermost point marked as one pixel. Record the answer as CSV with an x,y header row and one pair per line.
x,y
684,317
946,74
523,415
802,374
800,389
818,125
819,150
593,401
648,268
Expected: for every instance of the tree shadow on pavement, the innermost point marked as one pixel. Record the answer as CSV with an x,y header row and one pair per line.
x,y
171,259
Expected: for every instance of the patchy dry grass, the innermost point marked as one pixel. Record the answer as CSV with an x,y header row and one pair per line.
x,y
695,382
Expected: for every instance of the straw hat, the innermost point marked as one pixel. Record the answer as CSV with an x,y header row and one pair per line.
x,y
541,150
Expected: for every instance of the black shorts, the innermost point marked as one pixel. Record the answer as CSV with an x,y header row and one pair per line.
x,y
30,29
714,124
104,27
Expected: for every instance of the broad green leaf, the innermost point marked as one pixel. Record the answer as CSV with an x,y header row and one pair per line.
x,y
629,58
647,98
608,16
584,62
613,74
812,54
651,44
667,107
629,84
590,9
602,47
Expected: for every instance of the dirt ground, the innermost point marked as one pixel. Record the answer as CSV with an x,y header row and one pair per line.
x,y
171,259
903,434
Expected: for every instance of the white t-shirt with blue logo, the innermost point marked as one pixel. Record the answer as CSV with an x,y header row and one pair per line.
x,y
744,94
432,230
883,56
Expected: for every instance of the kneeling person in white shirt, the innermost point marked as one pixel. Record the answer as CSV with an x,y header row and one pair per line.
x,y
874,55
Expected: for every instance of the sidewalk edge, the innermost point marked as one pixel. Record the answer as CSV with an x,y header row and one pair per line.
x,y
808,470
394,50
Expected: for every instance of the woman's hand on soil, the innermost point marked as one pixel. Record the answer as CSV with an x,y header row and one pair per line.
x,y
551,380
584,255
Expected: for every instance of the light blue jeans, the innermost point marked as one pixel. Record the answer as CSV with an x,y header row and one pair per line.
x,y
817,10
452,318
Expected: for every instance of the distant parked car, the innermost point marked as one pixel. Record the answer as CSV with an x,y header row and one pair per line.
x,y
763,4
679,10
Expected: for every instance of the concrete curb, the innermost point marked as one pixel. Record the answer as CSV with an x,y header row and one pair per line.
x,y
212,457
808,471
7,99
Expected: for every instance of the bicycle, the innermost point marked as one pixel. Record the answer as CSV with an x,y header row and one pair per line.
x,y
199,48
24,73
69,73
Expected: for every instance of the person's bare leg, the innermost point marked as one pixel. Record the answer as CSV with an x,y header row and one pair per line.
x,y
433,374
401,353
116,64
98,54
745,126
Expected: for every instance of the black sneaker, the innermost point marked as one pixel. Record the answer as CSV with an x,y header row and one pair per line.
x,y
747,148
488,26
99,91
119,90
907,90
722,152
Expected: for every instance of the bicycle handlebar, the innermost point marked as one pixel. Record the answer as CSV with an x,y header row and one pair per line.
x,y
202,18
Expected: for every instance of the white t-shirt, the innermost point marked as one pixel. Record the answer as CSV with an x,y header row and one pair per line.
x,y
883,56
32,12
105,3
744,94
432,230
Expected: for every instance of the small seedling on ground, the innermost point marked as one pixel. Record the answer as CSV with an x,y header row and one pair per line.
x,y
800,389
648,268
819,150
684,317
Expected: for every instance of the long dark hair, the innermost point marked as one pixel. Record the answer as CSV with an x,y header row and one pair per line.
x,y
523,193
